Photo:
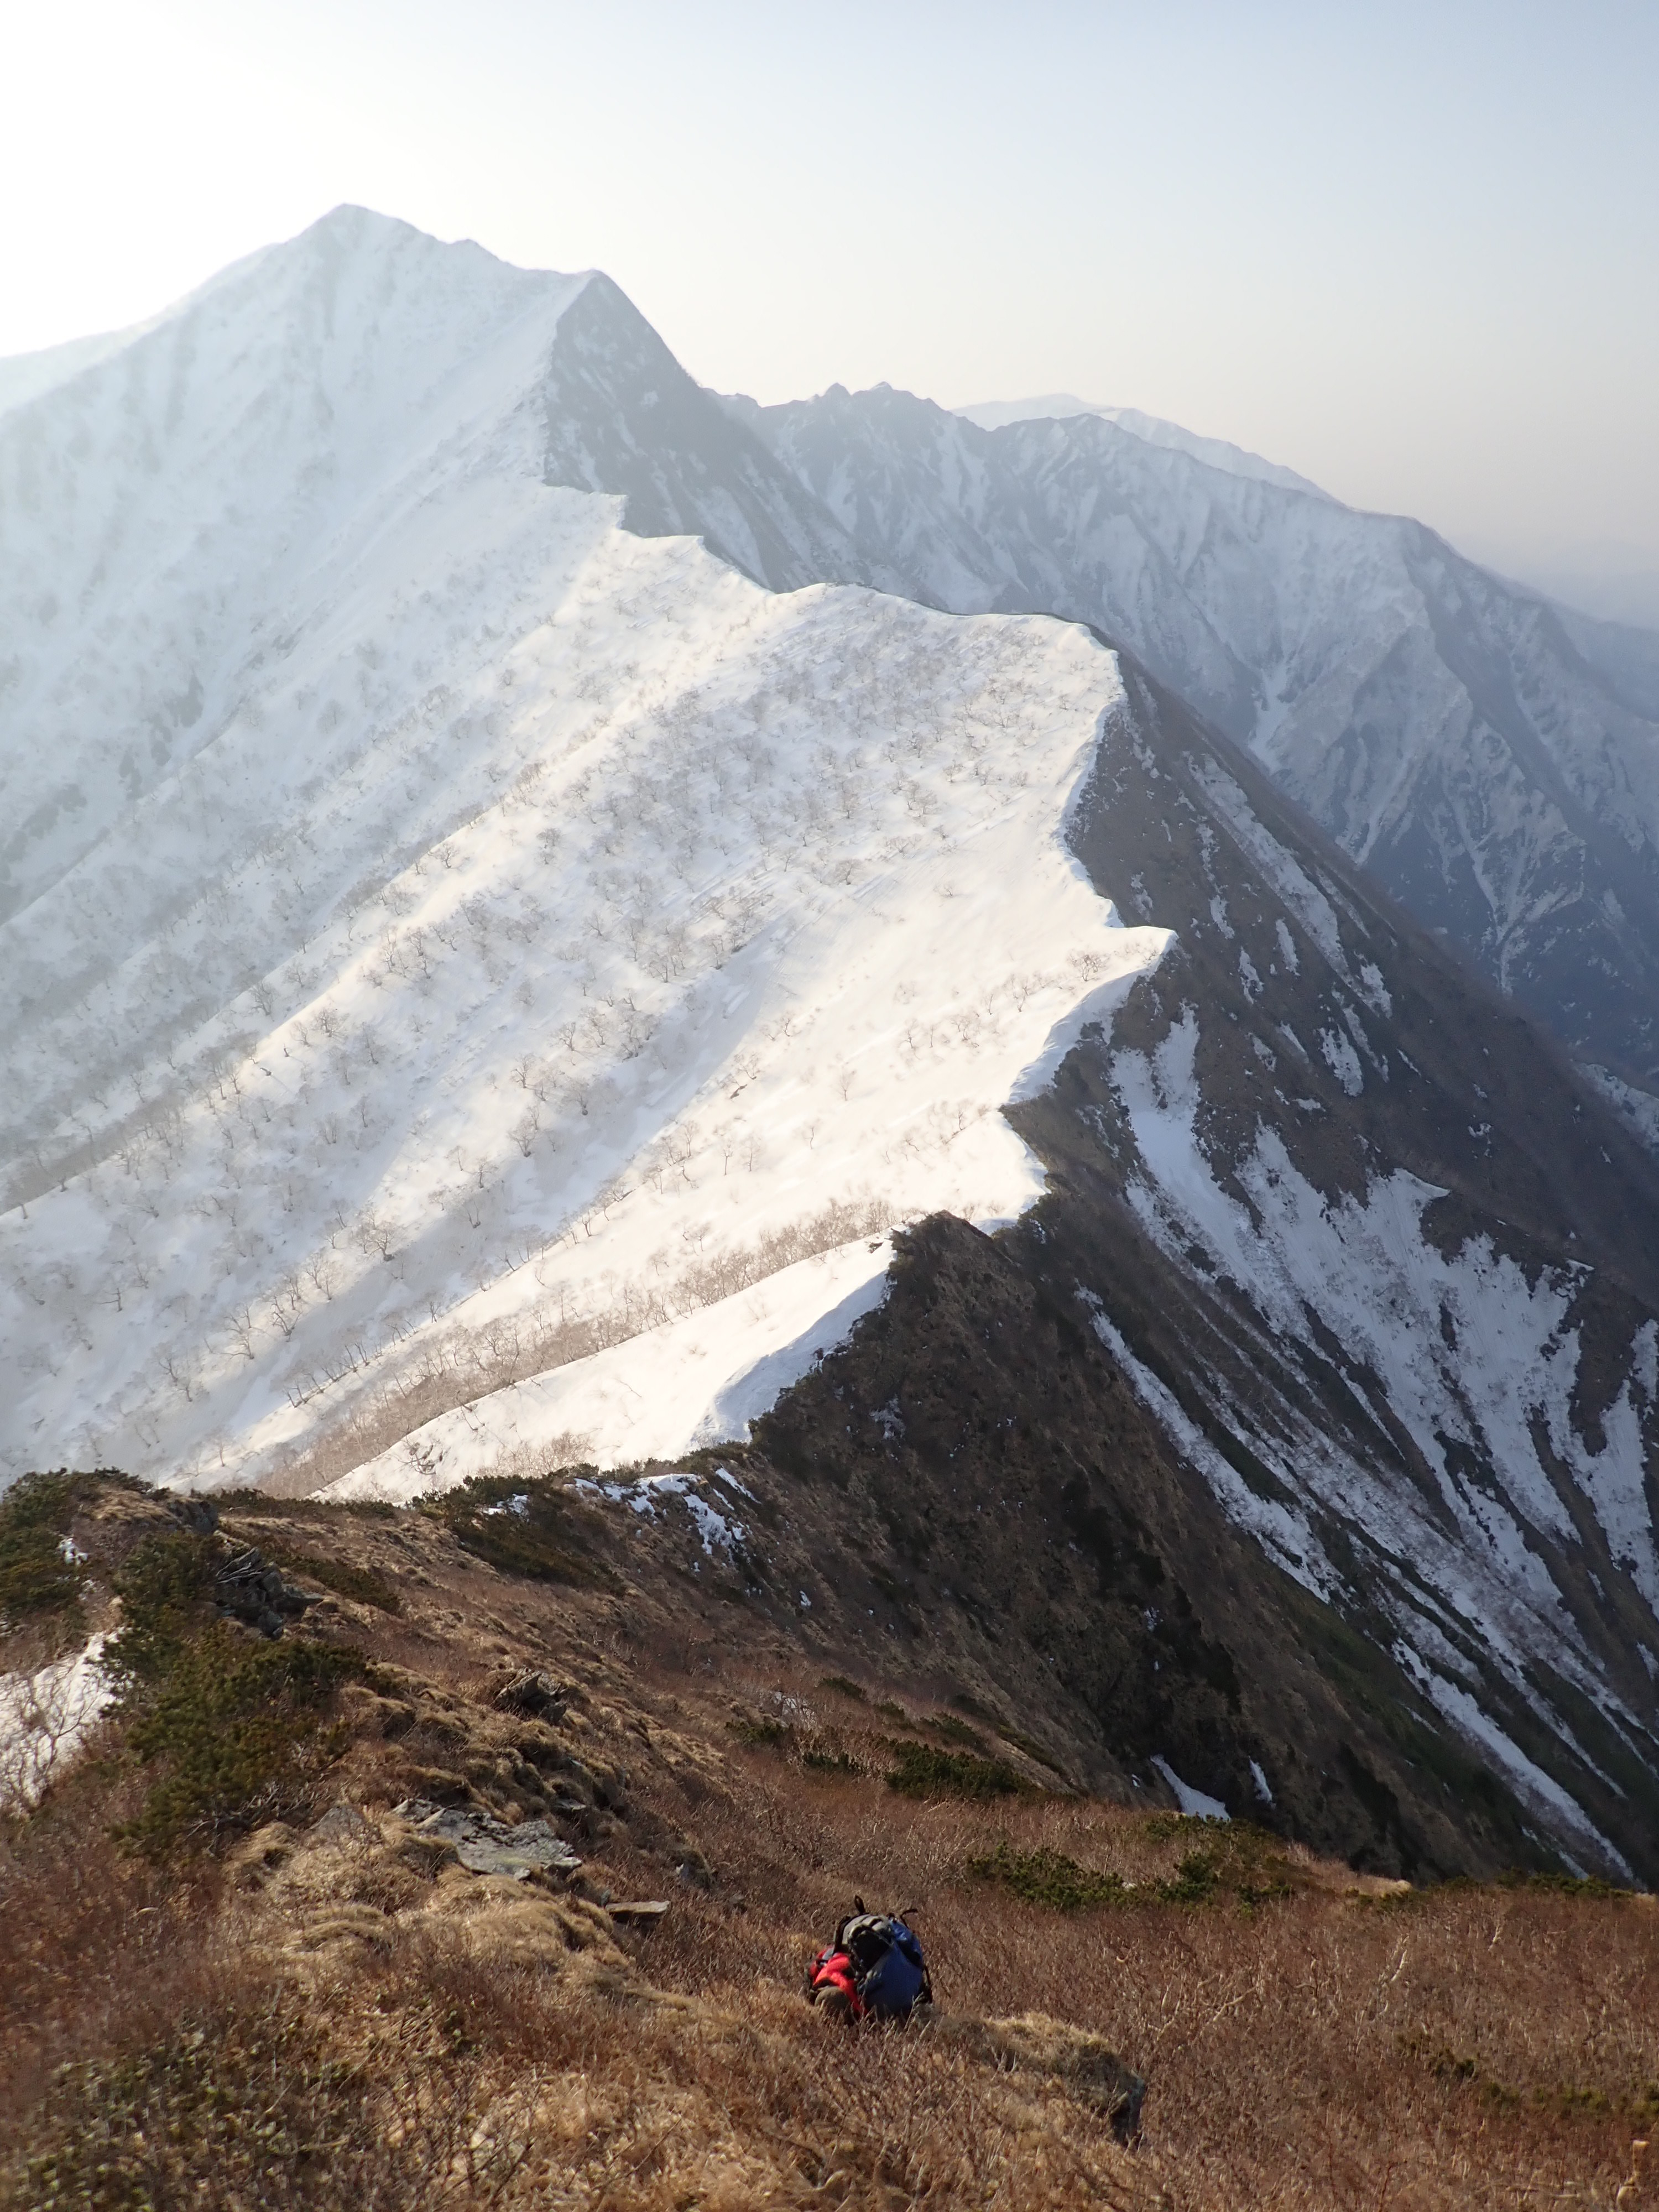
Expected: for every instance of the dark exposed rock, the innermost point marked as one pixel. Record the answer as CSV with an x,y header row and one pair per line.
x,y
248,1589
1035,1529
534,1696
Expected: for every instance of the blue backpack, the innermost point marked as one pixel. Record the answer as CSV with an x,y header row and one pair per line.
x,y
889,1970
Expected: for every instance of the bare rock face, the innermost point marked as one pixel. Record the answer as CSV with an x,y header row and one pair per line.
x,y
356,1881
533,1696
484,1845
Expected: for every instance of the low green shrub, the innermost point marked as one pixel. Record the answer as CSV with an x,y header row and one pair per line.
x,y
1194,1881
233,1728
956,1731
166,1590
1565,1885
236,2108
1231,1857
307,1509
820,1758
842,1686
1246,1867
534,1528
922,1771
37,1573
361,1584
763,1735
1047,1877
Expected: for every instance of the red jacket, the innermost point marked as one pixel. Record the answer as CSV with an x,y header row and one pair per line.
x,y
833,1969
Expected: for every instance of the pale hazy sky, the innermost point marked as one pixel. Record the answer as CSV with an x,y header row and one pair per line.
x,y
1410,250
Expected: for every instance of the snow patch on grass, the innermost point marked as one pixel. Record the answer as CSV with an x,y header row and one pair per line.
x,y
45,1718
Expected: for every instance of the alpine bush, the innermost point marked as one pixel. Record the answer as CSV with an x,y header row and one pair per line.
x,y
233,1728
922,1771
535,1528
1048,1877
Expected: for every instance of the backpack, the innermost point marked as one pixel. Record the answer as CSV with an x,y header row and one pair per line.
x,y
874,1969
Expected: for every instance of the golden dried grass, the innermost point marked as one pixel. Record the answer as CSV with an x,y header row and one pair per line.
x,y
1340,2046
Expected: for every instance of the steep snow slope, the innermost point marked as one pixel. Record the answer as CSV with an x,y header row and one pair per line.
x,y
508,935
1494,761
1441,724
25,376
167,515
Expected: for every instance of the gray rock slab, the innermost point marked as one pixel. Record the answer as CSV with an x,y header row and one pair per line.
x,y
487,1845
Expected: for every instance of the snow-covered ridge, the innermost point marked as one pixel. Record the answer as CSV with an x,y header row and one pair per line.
x,y
171,514
1153,429
525,939
482,983
25,376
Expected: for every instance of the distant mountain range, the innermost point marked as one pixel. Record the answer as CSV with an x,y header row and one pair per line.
x,y
489,981
1216,452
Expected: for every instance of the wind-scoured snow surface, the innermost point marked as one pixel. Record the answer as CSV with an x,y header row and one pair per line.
x,y
449,940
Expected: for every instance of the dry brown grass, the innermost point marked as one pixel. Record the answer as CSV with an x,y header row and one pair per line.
x,y
303,2024
1344,2046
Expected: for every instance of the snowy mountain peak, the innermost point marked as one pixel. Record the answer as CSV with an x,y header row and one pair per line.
x,y
169,513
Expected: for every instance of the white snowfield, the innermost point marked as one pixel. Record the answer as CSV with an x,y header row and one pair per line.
x,y
474,980
1494,763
